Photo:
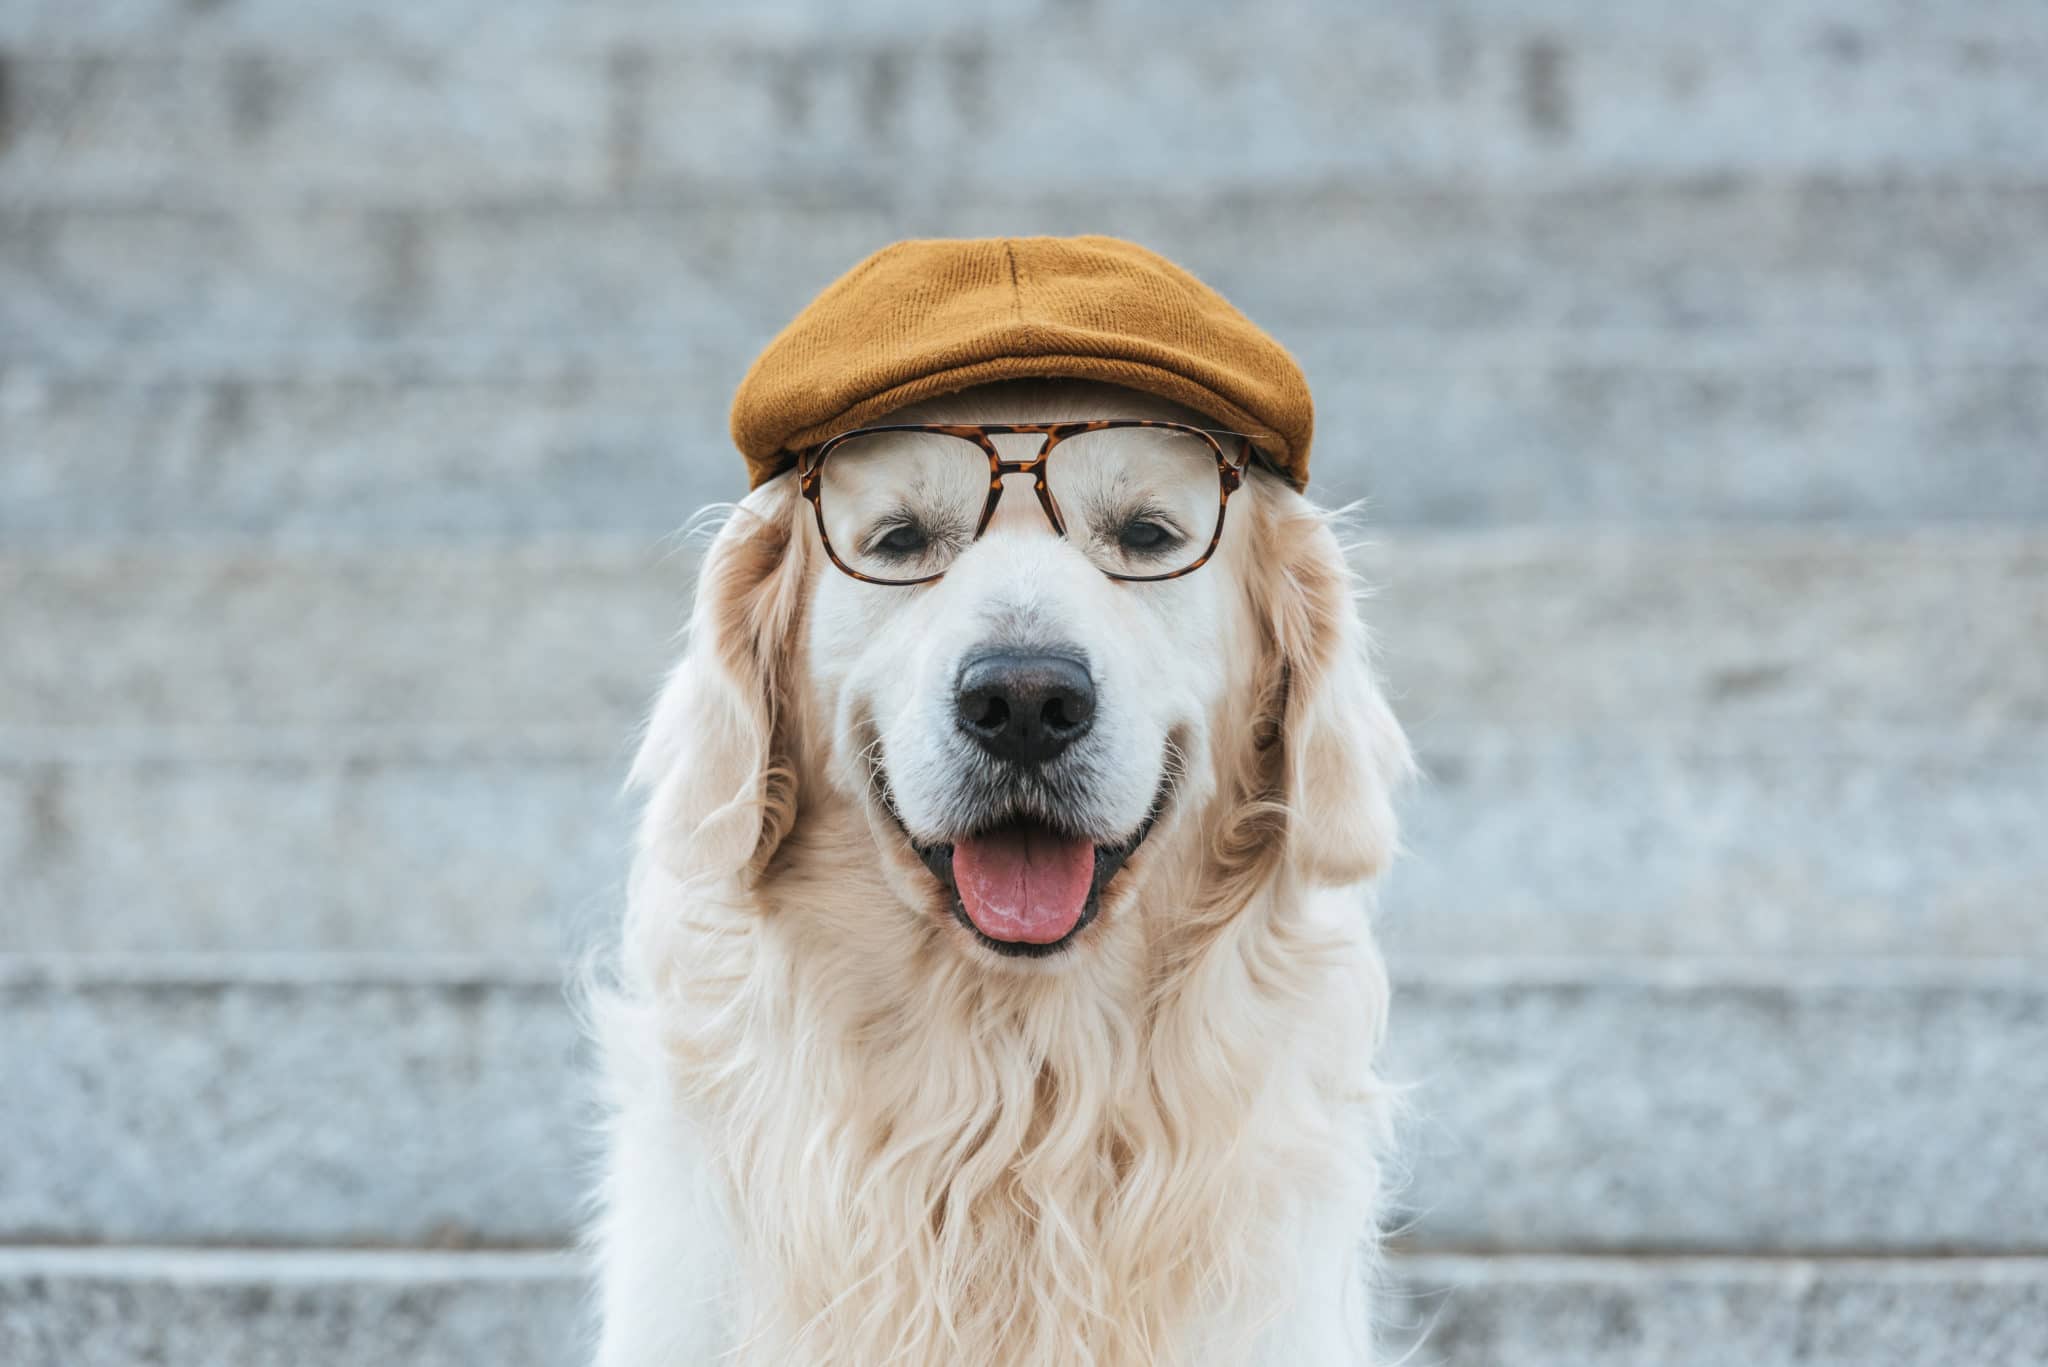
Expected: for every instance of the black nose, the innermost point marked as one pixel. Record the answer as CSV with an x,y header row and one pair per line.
x,y
1025,708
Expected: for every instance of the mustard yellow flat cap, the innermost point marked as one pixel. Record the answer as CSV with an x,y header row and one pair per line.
x,y
929,317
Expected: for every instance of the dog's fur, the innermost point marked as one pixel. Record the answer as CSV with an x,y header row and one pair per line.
x,y
844,1131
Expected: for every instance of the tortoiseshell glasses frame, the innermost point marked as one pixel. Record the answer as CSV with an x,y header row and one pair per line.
x,y
1229,476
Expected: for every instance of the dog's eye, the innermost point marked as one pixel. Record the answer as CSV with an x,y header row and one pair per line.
x,y
1142,536
901,541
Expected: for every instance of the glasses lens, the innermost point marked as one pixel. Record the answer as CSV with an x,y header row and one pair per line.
x,y
1139,501
902,505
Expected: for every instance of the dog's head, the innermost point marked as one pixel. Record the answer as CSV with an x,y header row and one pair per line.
x,y
1012,751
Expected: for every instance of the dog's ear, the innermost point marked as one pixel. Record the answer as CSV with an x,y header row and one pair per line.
x,y
717,762
1341,752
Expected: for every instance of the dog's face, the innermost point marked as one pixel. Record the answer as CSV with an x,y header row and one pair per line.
x,y
1026,736
1026,720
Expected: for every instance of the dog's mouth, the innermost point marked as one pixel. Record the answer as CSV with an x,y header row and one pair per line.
x,y
1024,888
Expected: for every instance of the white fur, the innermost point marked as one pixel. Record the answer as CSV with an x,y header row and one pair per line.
x,y
844,1131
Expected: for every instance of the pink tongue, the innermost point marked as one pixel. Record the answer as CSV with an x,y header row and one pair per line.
x,y
1023,883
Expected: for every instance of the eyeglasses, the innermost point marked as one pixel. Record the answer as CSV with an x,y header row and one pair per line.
x,y
898,504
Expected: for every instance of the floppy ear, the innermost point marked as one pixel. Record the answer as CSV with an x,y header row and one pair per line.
x,y
1342,751
717,762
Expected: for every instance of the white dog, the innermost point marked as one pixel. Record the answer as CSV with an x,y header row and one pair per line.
x,y
997,986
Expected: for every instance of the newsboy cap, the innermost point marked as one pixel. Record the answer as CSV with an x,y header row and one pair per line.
x,y
929,317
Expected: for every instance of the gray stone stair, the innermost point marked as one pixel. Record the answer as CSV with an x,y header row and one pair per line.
x,y
420,747
1428,430
1914,269
1702,1312
1629,840
64,1307
1584,1105
1522,629
437,24
1377,93
111,1308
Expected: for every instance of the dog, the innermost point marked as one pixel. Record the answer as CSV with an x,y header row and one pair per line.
x,y
997,983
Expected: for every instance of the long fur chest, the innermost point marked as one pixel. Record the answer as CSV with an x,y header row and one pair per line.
x,y
919,1169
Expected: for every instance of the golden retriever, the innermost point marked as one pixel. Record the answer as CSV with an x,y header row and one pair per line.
x,y
970,1026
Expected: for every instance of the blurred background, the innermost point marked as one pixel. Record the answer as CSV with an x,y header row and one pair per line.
x,y
358,362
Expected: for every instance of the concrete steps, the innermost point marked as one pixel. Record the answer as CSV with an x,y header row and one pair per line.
x,y
1914,268
1625,840
1586,1105
1551,99
112,1307
1463,430
1687,742
62,1307
1526,630
436,25
1702,1312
